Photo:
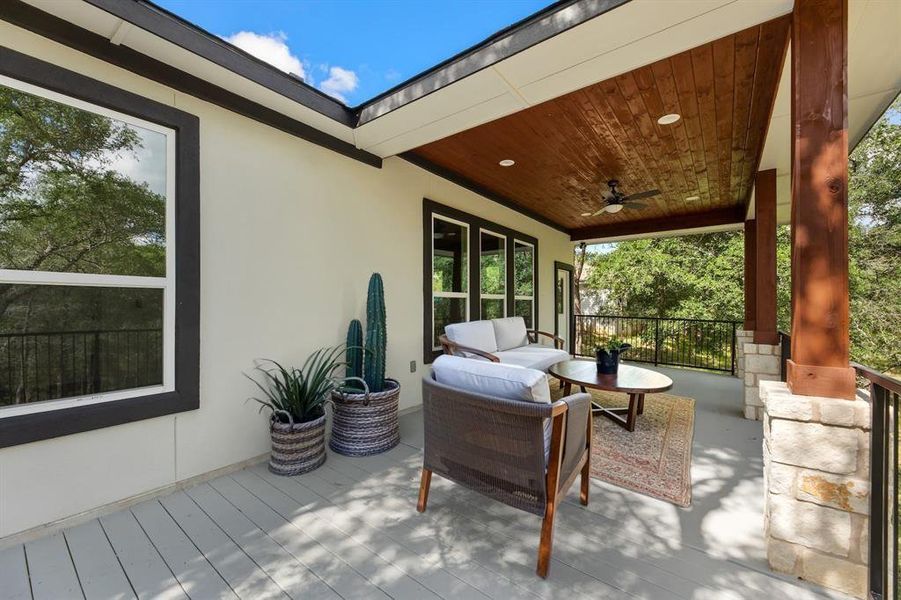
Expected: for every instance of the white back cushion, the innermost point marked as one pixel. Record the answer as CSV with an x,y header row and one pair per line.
x,y
475,334
510,333
511,382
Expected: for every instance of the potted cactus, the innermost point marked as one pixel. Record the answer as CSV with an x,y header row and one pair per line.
x,y
365,424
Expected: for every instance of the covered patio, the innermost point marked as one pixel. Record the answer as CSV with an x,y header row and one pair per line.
x,y
467,188
350,530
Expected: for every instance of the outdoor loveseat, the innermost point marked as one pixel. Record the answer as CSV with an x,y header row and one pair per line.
x,y
493,429
505,341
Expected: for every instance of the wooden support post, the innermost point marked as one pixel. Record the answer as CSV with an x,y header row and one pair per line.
x,y
765,257
819,218
750,274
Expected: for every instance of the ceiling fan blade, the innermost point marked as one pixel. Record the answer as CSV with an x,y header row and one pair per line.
x,y
634,205
606,194
641,195
596,213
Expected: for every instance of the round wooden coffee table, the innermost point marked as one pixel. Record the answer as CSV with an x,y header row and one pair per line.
x,y
631,380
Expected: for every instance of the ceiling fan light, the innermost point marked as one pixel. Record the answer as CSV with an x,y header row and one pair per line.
x,y
614,208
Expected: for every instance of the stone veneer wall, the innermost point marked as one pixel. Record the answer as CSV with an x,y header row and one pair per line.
x,y
755,363
816,478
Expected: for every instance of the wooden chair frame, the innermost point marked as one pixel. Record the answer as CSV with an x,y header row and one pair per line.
x,y
454,348
555,487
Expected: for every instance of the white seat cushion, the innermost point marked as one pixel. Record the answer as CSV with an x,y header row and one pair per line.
x,y
509,381
475,334
533,356
510,333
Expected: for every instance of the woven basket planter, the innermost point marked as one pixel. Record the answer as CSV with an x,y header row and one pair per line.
x,y
361,429
297,447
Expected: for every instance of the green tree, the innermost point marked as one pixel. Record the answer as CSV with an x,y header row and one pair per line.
x,y
701,276
64,205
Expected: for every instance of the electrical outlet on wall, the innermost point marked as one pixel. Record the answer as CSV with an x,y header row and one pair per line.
x,y
412,366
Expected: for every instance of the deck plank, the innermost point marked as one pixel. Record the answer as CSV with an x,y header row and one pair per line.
x,y
51,570
289,573
426,570
14,574
101,575
196,575
396,581
397,514
337,572
148,573
245,577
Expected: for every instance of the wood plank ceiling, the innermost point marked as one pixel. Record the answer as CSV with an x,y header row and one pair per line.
x,y
567,148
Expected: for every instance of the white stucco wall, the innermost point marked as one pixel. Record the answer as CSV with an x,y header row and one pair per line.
x,y
290,233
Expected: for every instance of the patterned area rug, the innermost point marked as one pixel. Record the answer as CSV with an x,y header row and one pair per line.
x,y
655,459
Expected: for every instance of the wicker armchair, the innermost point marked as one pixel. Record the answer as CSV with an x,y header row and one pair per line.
x,y
495,446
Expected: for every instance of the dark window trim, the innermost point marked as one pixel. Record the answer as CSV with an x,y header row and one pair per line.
x,y
59,30
562,266
32,427
476,223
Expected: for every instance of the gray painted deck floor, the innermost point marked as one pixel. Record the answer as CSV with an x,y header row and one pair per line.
x,y
350,530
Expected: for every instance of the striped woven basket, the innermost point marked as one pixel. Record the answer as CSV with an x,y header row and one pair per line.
x,y
297,447
361,429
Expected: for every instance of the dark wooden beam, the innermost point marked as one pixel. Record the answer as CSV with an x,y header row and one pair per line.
x,y
750,274
820,347
722,216
765,257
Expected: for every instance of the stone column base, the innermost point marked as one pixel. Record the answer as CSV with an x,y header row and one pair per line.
x,y
759,362
816,475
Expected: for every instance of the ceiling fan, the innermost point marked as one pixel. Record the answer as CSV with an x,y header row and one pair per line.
x,y
615,200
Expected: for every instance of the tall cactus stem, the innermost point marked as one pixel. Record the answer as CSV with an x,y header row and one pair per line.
x,y
354,350
376,335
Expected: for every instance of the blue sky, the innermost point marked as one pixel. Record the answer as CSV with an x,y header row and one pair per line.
x,y
354,49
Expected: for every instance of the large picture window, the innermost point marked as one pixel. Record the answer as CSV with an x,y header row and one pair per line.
x,y
492,275
450,274
474,269
524,281
94,203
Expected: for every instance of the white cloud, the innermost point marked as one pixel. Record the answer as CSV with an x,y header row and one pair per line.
x,y
271,48
340,82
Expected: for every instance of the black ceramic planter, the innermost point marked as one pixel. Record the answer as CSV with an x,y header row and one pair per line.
x,y
608,360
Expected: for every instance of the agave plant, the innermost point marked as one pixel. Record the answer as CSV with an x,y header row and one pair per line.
x,y
298,395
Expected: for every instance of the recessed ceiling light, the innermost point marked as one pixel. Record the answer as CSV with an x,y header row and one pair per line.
x,y
692,198
507,162
586,214
669,119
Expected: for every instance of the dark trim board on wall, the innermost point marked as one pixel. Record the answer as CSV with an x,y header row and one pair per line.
x,y
721,216
470,185
44,24
476,223
32,427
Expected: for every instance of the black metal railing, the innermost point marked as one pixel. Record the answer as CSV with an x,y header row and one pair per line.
x,y
785,347
60,364
697,343
885,398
